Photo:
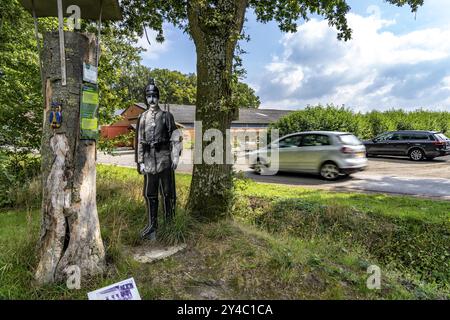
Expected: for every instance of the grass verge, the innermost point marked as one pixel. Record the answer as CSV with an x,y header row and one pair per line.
x,y
281,243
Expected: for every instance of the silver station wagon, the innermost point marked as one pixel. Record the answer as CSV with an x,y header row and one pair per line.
x,y
330,154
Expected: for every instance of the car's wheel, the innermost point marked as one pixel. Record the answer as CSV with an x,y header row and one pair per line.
x,y
416,154
259,167
329,171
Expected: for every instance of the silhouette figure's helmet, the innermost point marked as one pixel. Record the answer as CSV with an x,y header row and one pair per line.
x,y
151,89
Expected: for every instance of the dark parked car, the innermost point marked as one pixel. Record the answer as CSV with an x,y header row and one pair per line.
x,y
417,145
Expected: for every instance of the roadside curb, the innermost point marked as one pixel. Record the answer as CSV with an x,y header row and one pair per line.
x,y
118,152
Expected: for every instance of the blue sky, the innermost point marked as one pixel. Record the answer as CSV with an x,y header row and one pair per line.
x,y
395,59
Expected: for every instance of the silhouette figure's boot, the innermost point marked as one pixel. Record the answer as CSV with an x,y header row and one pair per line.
x,y
169,208
149,232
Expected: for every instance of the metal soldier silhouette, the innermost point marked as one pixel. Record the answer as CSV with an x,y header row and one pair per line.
x,y
158,149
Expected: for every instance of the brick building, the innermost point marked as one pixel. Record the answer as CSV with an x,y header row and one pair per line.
x,y
250,120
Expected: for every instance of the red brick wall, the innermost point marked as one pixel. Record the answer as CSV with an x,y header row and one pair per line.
x,y
113,131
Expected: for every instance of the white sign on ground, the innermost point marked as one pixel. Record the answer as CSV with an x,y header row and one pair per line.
x,y
124,290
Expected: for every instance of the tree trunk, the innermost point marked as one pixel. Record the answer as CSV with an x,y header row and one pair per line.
x,y
215,40
70,229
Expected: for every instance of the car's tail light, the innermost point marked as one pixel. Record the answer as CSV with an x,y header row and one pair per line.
x,y
347,150
439,143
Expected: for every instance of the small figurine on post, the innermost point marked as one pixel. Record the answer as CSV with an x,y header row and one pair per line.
x,y
55,117
158,149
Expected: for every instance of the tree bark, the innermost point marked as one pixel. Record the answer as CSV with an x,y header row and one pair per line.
x,y
215,40
70,229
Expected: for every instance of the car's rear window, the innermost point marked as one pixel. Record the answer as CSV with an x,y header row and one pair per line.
x,y
349,139
442,137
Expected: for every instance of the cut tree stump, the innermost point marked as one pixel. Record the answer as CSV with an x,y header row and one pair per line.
x,y
70,229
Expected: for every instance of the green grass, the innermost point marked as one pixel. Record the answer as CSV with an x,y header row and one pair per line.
x,y
282,242
394,206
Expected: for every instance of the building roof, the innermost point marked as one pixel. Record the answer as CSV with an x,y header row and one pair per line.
x,y
119,112
186,114
321,132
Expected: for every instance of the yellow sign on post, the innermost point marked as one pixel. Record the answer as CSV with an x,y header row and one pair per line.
x,y
89,124
90,97
88,112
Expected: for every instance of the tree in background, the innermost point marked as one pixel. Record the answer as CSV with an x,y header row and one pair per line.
x,y
21,95
21,104
20,99
176,87
118,55
245,96
215,27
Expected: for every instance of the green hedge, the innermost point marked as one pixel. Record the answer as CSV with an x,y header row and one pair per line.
x,y
363,125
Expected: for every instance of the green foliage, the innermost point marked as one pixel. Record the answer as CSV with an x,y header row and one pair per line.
x,y
409,244
287,13
118,55
375,123
20,94
122,206
244,96
108,145
236,260
17,171
21,104
318,118
365,126
178,231
176,87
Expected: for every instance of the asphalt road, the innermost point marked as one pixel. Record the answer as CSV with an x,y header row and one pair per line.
x,y
383,175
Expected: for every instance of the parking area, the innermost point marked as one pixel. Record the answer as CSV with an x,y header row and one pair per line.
x,y
391,175
437,168
384,174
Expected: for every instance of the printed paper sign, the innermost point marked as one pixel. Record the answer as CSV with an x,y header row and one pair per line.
x,y
89,73
125,290
89,124
88,112
90,97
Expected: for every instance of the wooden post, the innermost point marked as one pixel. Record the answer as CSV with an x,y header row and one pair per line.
x,y
62,54
70,230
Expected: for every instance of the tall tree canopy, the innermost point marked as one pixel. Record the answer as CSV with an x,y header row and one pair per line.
x,y
21,96
215,27
20,93
21,99
176,87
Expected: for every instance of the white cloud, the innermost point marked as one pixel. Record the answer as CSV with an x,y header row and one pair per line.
x,y
290,77
446,82
154,49
376,69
